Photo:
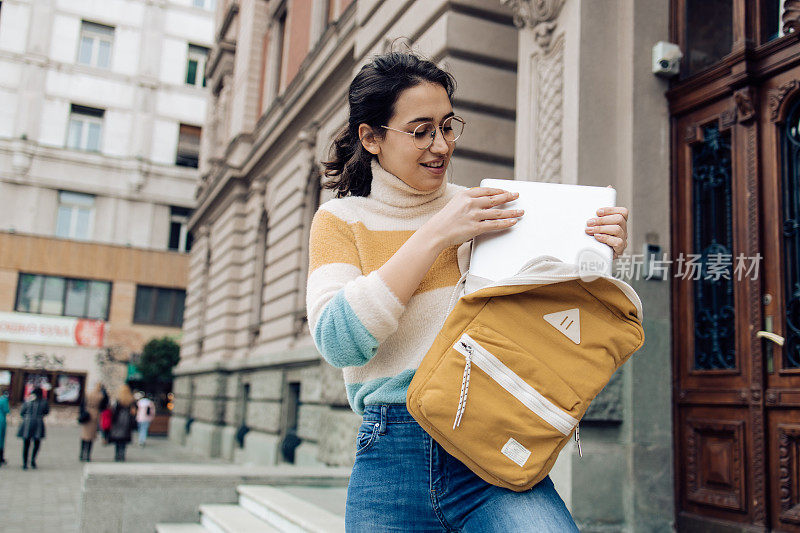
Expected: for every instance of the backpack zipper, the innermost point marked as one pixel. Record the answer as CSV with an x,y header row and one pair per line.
x,y
525,278
511,382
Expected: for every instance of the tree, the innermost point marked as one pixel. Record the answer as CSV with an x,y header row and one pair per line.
x,y
159,357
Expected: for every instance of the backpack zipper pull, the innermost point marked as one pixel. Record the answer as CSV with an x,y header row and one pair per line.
x,y
462,399
578,440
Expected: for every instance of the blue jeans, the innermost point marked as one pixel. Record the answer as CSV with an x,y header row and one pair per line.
x,y
403,480
144,426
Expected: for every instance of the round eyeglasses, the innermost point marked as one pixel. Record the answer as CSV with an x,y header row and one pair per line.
x,y
424,134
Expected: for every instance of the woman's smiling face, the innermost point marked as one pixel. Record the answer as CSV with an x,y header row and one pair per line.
x,y
425,102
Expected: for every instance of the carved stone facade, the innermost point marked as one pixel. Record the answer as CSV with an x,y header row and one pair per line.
x,y
250,374
540,16
540,90
548,100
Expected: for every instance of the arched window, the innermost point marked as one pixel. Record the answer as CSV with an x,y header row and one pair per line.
x,y
310,204
790,215
715,347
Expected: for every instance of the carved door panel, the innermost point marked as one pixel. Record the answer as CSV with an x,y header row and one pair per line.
x,y
780,190
719,415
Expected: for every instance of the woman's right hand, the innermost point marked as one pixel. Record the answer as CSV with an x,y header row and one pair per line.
x,y
472,212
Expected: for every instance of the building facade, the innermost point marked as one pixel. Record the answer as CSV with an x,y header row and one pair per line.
x,y
698,432
103,104
278,75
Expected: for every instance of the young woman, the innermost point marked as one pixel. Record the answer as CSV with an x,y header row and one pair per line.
x,y
93,404
384,258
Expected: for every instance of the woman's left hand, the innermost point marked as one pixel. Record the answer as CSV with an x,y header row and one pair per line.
x,y
611,228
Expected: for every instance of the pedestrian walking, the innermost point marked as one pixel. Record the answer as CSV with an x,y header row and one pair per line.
x,y
385,256
145,413
122,421
4,408
32,428
92,404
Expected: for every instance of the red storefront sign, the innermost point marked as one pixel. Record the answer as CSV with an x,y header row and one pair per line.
x,y
61,331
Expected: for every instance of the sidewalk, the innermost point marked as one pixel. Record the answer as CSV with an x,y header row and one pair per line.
x,y
47,499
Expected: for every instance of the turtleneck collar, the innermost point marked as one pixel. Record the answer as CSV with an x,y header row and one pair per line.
x,y
389,189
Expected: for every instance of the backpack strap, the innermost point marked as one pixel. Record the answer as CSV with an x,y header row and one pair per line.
x,y
456,290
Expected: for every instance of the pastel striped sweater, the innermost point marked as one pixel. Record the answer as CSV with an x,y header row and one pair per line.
x,y
356,321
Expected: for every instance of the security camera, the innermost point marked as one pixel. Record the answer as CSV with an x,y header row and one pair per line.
x,y
666,59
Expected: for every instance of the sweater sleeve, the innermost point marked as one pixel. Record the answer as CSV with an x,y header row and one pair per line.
x,y
349,314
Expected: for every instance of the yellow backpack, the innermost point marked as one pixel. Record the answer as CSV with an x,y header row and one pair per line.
x,y
517,363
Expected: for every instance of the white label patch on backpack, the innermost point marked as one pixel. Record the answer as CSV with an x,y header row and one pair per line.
x,y
516,452
567,322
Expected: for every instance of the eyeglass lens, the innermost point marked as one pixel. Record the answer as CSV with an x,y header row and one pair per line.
x,y
452,127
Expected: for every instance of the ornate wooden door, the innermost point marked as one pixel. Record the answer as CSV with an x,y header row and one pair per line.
x,y
780,123
719,415
736,265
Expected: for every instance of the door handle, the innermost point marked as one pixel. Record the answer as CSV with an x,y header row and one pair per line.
x,y
767,333
774,337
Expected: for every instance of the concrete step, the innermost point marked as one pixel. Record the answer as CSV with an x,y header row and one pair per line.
x,y
331,498
290,513
226,518
180,528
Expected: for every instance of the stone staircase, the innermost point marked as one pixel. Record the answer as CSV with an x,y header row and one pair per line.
x,y
266,509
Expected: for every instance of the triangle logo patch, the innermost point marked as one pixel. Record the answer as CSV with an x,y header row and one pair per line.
x,y
567,322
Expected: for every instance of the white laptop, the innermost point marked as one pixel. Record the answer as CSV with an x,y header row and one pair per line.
x,y
554,224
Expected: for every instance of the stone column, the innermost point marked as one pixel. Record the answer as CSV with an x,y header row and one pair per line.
x,y
589,112
540,89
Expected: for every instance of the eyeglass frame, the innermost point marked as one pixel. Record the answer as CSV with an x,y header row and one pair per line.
x,y
435,129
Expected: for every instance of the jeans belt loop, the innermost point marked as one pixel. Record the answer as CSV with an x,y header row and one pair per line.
x,y
382,429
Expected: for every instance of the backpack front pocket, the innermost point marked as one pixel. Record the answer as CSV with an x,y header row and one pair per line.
x,y
511,427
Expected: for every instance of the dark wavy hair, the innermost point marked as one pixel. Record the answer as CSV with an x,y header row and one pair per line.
x,y
372,97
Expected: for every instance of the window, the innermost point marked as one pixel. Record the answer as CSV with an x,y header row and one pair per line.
x,y
331,10
159,306
281,41
204,4
74,219
179,237
95,45
85,128
53,295
273,62
709,33
714,309
196,65
188,146
290,439
791,237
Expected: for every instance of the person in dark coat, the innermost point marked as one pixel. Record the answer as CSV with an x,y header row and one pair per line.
x,y
122,421
32,427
